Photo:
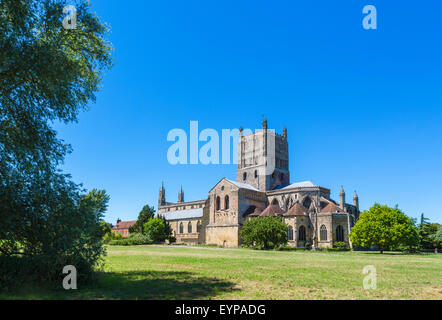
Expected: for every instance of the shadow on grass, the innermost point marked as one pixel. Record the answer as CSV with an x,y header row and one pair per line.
x,y
153,285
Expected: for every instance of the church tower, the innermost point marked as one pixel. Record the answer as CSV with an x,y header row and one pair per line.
x,y
263,159
162,196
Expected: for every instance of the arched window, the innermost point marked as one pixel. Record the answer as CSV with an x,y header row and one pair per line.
x,y
340,234
323,233
244,176
256,174
218,203
290,233
189,227
181,228
301,235
307,202
226,202
198,227
275,202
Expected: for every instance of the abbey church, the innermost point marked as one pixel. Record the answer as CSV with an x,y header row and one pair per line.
x,y
262,188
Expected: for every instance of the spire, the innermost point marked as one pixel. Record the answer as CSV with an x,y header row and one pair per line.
x,y
181,195
342,196
284,132
162,196
264,124
356,200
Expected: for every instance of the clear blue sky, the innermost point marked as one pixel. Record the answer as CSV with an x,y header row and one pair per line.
x,y
362,108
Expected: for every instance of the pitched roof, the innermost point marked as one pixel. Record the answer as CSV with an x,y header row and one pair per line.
x,y
332,208
256,212
124,224
243,185
183,214
297,210
303,184
272,210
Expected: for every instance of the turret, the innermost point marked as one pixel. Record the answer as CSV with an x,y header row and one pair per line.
x,y
284,133
181,195
342,196
356,201
162,196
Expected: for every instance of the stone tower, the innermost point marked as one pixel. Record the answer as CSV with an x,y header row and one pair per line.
x,y
342,196
162,196
181,195
263,159
356,201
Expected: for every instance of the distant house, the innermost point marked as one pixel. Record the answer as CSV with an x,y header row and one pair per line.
x,y
122,227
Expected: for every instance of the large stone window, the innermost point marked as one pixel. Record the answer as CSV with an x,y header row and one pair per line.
x,y
323,233
301,234
226,202
340,234
307,202
290,233
189,227
181,228
218,203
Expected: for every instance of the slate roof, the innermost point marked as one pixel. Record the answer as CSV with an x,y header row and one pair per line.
x,y
243,185
303,184
183,214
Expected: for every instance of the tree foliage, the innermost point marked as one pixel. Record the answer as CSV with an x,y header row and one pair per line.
x,y
384,227
426,231
47,74
155,230
265,232
145,215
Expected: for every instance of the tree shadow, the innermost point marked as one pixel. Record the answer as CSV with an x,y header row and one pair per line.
x,y
153,285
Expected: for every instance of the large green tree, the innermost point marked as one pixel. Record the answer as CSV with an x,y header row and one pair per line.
x,y
47,74
145,215
155,230
426,231
264,231
385,227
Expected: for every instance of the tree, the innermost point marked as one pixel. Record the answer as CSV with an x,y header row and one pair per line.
x,y
264,232
437,237
167,227
47,74
155,230
385,228
426,230
145,215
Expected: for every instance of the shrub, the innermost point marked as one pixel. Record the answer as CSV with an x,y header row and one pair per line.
x,y
155,229
288,248
336,249
172,239
265,232
340,245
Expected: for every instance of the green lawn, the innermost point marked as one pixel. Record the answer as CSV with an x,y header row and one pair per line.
x,y
176,272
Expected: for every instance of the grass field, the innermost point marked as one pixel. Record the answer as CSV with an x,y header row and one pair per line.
x,y
155,272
